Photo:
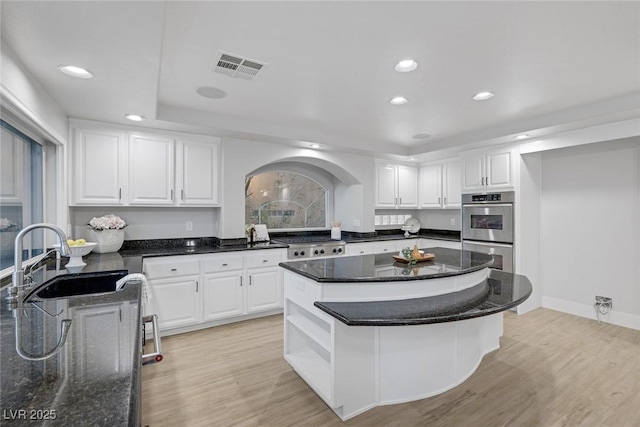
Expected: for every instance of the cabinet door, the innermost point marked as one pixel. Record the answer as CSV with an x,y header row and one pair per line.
x,y
407,187
386,185
360,248
102,331
99,169
151,170
197,173
431,186
473,172
176,302
223,295
498,166
452,186
264,290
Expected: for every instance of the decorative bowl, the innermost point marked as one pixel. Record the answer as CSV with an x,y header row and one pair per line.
x,y
77,252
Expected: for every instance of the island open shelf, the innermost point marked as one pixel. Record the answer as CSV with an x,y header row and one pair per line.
x,y
364,331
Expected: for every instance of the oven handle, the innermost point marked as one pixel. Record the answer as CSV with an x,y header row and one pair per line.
x,y
475,242
486,205
156,356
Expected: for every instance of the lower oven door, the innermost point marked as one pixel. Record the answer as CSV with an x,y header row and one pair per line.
x,y
502,253
488,222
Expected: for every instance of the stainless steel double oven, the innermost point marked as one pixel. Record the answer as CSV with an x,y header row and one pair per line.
x,y
488,226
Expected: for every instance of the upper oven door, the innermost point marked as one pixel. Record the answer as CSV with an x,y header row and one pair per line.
x,y
488,222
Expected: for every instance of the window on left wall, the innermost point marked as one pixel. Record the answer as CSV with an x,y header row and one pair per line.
x,y
21,192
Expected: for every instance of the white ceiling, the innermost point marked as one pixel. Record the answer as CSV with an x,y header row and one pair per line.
x,y
553,66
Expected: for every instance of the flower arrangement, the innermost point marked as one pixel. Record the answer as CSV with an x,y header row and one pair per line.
x,y
7,225
107,222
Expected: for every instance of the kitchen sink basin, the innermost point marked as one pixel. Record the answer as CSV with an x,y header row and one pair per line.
x,y
77,284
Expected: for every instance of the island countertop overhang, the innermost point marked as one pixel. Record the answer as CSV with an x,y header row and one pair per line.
x,y
383,268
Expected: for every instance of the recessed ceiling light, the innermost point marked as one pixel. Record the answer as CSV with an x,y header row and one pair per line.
x,y
135,117
316,146
406,65
399,100
211,92
483,96
523,136
421,136
77,72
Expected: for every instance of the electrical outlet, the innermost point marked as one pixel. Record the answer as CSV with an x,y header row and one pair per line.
x,y
453,221
356,223
189,225
603,300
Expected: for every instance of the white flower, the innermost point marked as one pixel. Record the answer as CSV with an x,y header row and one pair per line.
x,y
107,222
5,224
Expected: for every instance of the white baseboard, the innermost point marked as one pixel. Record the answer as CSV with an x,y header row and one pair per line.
x,y
583,310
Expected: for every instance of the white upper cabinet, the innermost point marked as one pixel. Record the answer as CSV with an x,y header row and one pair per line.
x,y
197,171
396,186
151,173
440,185
116,167
99,172
489,170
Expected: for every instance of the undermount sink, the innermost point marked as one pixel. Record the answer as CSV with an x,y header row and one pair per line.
x,y
77,284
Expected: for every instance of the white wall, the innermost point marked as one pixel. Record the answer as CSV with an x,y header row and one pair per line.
x,y
27,99
354,193
152,223
439,219
590,229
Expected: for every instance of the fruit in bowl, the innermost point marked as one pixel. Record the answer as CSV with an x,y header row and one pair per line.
x,y
79,248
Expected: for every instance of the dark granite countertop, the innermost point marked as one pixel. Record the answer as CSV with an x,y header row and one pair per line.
x,y
382,235
169,247
95,378
383,268
501,291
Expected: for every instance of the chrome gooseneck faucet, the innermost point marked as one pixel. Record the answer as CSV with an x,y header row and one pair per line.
x,y
18,273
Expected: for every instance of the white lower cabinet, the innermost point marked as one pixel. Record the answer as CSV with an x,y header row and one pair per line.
x,y
264,290
364,248
191,290
223,295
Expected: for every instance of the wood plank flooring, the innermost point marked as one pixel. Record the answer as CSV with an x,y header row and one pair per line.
x,y
552,369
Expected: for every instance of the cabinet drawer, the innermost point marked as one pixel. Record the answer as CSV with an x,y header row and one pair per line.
x,y
263,258
173,266
217,263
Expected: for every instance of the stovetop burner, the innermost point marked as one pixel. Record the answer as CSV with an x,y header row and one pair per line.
x,y
312,246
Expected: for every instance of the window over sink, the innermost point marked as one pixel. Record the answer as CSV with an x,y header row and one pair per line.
x,y
286,200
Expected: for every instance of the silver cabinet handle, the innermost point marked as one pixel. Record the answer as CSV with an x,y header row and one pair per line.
x,y
483,180
240,280
174,269
119,193
225,264
439,199
171,194
197,286
182,194
265,260
249,280
445,200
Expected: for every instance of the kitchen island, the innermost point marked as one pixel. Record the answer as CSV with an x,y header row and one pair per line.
x,y
364,331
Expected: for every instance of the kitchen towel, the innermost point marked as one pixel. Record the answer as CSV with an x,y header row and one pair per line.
x,y
146,291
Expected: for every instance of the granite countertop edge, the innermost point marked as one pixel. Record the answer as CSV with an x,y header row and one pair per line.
x,y
344,311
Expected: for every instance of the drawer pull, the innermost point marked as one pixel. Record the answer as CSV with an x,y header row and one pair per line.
x,y
225,264
174,269
265,260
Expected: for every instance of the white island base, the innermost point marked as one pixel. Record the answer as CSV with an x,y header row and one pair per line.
x,y
355,368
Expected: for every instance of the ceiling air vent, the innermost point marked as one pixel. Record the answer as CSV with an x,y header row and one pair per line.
x,y
238,66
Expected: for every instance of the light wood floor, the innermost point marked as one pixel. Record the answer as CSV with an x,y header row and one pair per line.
x,y
552,369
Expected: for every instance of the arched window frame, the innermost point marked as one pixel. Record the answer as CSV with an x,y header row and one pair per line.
x,y
314,173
